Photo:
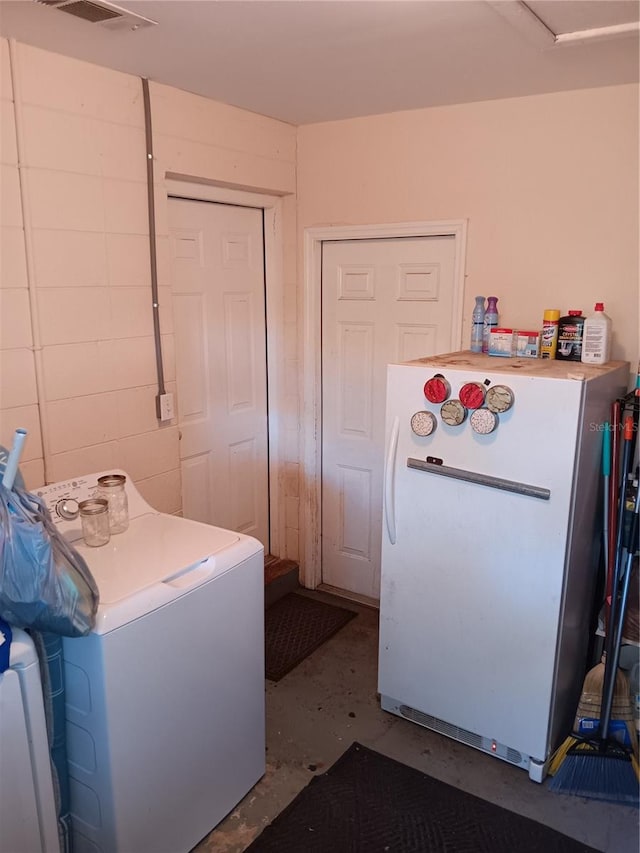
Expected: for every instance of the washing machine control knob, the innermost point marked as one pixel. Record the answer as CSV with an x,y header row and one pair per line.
x,y
67,508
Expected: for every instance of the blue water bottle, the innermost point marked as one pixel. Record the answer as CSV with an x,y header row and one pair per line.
x,y
477,325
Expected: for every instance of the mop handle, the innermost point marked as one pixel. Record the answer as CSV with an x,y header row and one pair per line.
x,y
615,575
11,468
622,487
606,474
612,665
613,497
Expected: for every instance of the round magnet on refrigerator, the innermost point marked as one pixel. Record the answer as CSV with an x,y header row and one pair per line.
x,y
499,398
453,413
472,395
423,423
483,421
437,389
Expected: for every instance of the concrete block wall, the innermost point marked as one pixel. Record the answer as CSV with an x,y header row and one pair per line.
x,y
86,337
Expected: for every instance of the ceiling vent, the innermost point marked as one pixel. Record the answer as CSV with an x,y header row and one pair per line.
x,y
105,14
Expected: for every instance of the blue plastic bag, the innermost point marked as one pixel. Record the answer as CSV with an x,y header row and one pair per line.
x,y
45,584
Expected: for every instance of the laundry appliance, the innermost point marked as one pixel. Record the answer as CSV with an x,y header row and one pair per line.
x,y
28,814
165,697
490,546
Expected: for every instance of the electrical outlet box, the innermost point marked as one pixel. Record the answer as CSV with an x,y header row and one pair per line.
x,y
164,405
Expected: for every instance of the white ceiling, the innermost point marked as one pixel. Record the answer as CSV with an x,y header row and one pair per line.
x,y
305,61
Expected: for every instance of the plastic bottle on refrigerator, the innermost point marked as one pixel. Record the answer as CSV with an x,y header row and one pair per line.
x,y
596,340
477,325
490,321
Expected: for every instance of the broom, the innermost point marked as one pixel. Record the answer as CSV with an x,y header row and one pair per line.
x,y
602,768
589,707
592,685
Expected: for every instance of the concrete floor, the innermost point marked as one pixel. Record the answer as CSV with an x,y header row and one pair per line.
x,y
316,711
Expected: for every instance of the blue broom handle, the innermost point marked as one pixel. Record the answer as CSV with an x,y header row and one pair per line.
x,y
606,450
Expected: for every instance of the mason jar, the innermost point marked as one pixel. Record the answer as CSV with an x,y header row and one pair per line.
x,y
111,487
94,517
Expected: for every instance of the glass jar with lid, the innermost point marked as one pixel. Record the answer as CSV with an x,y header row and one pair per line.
x,y
94,517
111,487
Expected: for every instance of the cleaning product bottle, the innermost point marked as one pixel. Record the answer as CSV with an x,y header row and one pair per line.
x,y
549,336
477,325
596,341
570,332
490,321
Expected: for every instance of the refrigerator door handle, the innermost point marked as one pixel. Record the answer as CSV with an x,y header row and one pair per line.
x,y
436,467
389,482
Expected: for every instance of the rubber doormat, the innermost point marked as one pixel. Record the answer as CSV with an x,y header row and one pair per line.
x,y
368,803
294,627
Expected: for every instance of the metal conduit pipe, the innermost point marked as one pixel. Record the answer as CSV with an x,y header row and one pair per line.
x,y
23,176
152,243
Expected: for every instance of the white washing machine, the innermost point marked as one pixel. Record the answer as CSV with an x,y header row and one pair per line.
x,y
28,817
165,697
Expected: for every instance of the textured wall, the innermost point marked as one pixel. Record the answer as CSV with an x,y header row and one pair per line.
x,y
549,185
85,215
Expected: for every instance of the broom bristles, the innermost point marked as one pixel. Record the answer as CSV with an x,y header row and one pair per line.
x,y
560,754
591,696
588,771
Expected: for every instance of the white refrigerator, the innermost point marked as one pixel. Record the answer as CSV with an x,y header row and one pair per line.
x,y
492,505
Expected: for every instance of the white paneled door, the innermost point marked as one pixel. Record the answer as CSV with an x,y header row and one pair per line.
x,y
217,259
383,301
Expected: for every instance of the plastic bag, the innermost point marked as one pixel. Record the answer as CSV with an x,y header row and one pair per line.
x,y
45,584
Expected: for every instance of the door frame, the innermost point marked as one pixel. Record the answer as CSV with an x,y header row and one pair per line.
x,y
178,186
310,325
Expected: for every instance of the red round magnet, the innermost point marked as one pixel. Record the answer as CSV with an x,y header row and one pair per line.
x,y
437,389
472,395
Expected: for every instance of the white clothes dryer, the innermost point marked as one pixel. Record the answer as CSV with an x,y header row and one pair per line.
x,y
165,698
28,815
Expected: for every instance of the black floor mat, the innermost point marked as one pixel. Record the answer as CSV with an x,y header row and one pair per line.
x,y
294,627
368,803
